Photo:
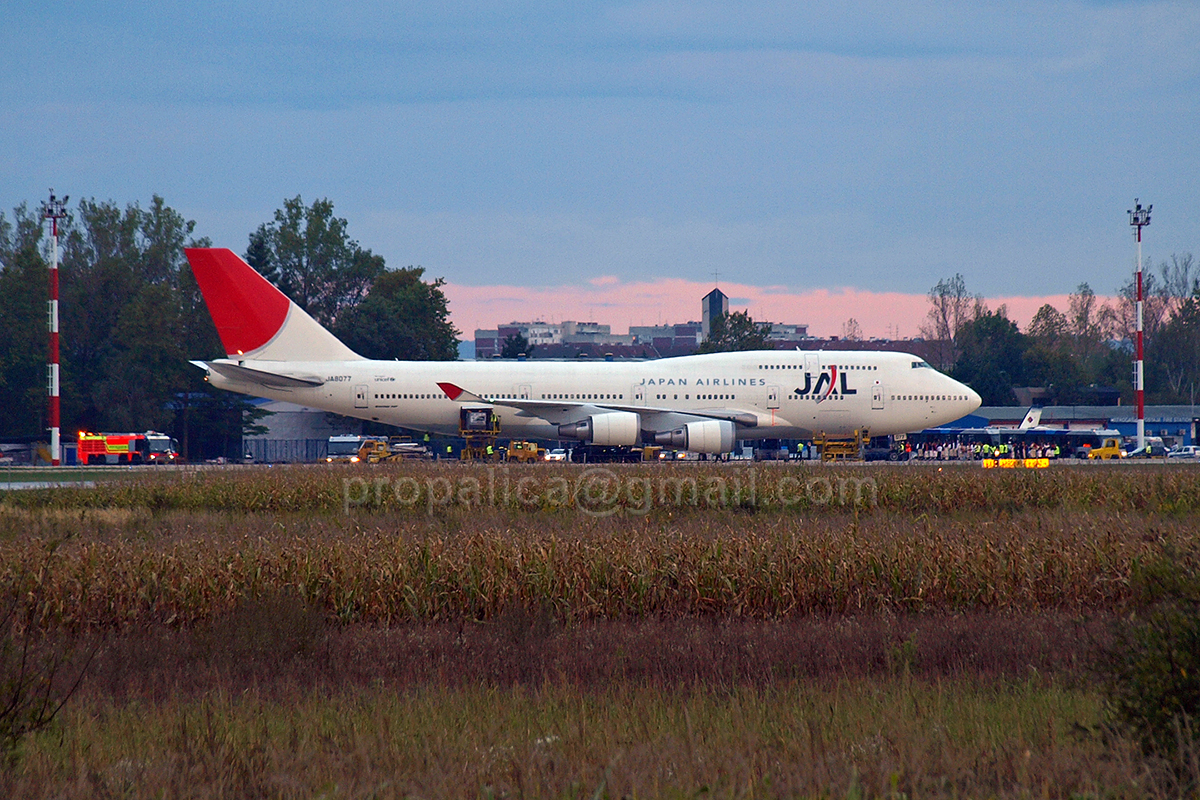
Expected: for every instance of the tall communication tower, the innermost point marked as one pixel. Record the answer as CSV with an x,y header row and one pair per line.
x,y
1139,218
54,210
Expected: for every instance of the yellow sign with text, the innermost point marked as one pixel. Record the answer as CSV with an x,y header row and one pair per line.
x,y
1016,463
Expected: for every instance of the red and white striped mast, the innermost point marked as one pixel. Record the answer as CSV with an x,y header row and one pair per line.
x,y
1139,218
54,210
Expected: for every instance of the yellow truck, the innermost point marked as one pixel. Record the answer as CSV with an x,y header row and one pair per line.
x,y
524,452
373,449
397,448
1111,448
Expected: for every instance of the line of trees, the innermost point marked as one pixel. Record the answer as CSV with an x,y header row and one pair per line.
x,y
131,316
1077,353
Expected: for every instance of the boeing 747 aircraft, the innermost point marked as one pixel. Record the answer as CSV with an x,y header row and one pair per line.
x,y
701,403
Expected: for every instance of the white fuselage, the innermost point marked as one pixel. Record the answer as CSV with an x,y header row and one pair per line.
x,y
787,394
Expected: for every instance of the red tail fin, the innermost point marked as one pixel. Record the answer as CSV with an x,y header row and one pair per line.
x,y
246,308
255,319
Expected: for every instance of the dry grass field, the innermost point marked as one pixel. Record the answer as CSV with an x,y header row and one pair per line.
x,y
561,631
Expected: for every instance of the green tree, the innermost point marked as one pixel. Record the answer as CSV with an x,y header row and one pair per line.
x,y
515,345
1150,671
1171,360
991,356
1090,325
308,255
736,331
949,310
131,316
1047,359
129,325
1177,351
23,329
402,317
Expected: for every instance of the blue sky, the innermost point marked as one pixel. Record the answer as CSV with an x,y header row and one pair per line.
x,y
870,145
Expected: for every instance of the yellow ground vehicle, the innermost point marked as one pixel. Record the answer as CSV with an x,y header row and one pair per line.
x,y
525,452
1111,448
372,449
479,428
397,448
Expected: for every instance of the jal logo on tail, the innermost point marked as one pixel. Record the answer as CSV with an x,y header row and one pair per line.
x,y
825,386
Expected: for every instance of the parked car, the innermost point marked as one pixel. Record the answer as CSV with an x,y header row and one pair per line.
x,y
1149,451
872,453
1185,451
557,454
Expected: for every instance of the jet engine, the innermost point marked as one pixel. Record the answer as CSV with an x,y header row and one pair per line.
x,y
611,428
709,436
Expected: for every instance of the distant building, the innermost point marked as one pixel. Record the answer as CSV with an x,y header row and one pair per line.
x,y
669,340
591,333
489,343
789,336
295,434
713,305
572,339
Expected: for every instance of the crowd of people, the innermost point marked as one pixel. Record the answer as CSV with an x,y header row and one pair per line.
x,y
968,451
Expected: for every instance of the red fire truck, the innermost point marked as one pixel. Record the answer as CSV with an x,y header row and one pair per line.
x,y
127,448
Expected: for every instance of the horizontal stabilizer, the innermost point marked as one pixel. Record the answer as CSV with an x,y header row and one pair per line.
x,y
242,374
459,394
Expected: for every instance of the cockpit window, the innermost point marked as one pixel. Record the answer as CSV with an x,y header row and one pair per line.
x,y
920,365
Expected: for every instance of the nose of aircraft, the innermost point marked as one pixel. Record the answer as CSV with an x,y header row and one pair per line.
x,y
973,398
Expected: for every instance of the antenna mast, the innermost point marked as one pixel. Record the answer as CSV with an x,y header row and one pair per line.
x,y
1139,218
54,210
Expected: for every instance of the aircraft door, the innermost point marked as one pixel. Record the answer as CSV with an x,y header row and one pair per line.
x,y
812,363
360,396
638,393
524,391
877,396
772,397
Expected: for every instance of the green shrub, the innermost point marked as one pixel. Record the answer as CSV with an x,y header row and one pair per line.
x,y
38,673
1152,666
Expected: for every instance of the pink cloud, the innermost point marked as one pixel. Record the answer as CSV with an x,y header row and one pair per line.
x,y
667,300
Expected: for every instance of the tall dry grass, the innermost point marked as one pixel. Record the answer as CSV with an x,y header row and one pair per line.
x,y
913,490
860,738
112,570
259,641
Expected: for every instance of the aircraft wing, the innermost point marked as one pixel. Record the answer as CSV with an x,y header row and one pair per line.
x,y
560,412
243,374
